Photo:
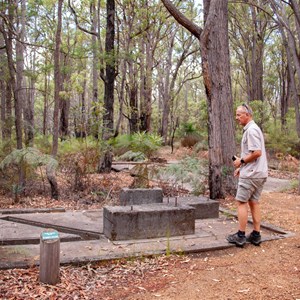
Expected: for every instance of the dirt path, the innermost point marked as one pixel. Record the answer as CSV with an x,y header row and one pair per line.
x,y
271,271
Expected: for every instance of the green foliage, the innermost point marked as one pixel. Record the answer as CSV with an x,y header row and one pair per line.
x,y
283,141
30,156
43,143
190,136
187,128
190,170
201,146
76,145
260,112
131,156
147,143
29,159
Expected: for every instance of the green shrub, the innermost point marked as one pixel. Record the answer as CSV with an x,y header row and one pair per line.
x,y
279,141
147,143
190,170
131,156
29,159
189,135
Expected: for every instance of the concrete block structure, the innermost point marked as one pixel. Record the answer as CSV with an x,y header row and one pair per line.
x,y
147,221
141,196
205,208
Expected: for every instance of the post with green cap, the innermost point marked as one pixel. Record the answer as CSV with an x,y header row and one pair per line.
x,y
49,256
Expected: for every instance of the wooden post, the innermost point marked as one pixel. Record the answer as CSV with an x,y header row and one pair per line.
x,y
49,256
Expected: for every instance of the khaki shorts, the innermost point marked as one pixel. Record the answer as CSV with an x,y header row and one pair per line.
x,y
249,189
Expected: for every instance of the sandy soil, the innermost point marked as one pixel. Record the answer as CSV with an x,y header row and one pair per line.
x,y
271,271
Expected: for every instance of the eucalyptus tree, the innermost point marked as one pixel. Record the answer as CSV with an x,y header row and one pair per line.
x,y
288,19
180,67
128,31
142,32
7,29
5,89
57,78
250,27
9,19
148,45
214,45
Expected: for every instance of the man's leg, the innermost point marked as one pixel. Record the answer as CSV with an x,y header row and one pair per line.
x,y
239,238
256,216
242,215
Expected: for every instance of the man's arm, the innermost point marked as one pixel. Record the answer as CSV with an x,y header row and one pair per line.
x,y
253,155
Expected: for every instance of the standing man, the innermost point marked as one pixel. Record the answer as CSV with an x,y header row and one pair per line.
x,y
252,170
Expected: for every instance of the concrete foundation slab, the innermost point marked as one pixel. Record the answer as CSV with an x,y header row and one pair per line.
x,y
210,234
147,221
141,196
14,233
204,207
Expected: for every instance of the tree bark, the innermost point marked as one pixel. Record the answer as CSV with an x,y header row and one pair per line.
x,y
108,118
110,74
57,80
65,103
216,73
7,35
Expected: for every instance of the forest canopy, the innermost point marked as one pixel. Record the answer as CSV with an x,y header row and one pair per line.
x,y
100,69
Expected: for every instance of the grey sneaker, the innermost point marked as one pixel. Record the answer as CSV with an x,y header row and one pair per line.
x,y
254,239
240,241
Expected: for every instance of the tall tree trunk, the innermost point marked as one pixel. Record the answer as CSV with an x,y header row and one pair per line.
x,y
57,79
284,97
215,57
166,90
258,35
95,73
65,103
15,85
146,107
133,98
46,104
3,71
215,53
110,74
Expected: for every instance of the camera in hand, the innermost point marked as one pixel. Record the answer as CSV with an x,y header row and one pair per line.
x,y
233,158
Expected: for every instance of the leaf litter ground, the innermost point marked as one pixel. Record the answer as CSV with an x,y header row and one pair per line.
x,y
271,271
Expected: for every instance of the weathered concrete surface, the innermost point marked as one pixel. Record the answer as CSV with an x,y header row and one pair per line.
x,y
204,207
209,235
14,233
148,221
141,196
89,222
276,184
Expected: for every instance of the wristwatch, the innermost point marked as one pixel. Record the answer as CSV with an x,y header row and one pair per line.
x,y
242,161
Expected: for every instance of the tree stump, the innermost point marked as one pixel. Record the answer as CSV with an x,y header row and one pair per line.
x,y
49,257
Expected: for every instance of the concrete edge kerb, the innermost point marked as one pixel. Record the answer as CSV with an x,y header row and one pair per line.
x,y
12,211
267,226
94,259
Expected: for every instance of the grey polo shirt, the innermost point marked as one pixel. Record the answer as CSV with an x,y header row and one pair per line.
x,y
252,140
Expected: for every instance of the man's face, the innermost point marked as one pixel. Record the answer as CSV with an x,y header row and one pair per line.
x,y
242,116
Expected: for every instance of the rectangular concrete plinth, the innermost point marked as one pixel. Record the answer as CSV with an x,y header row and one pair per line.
x,y
205,208
141,196
147,221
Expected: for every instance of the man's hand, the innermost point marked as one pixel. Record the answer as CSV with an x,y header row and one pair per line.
x,y
237,163
236,172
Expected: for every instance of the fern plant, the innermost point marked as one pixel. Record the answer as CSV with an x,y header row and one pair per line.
x,y
29,159
190,171
144,142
